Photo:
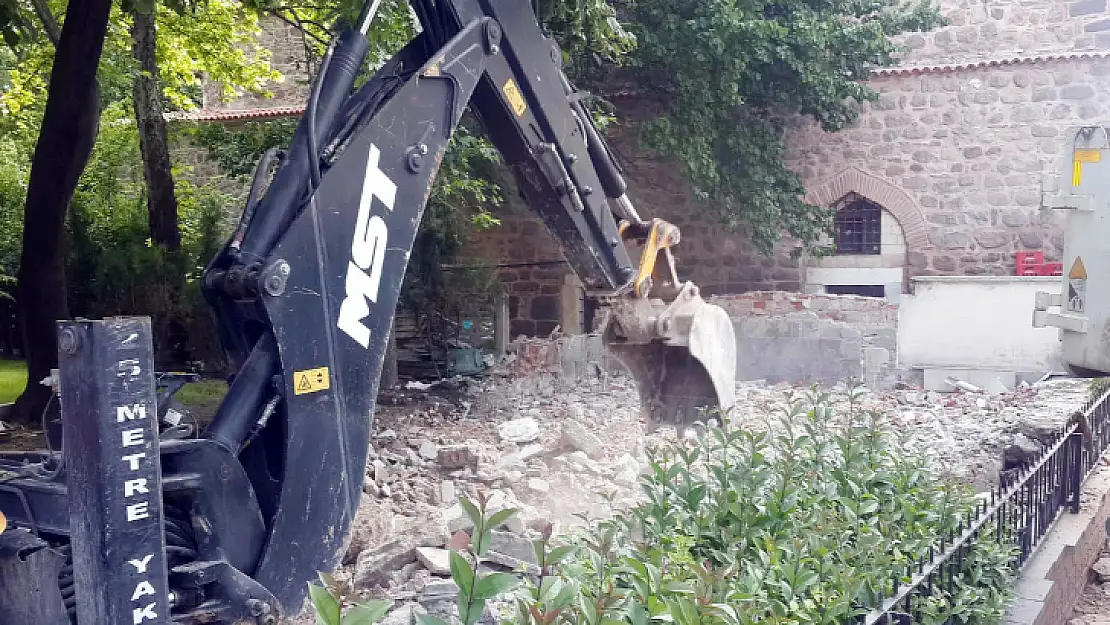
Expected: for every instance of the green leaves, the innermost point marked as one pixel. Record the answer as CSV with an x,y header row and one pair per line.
x,y
804,523
327,606
476,590
462,573
729,77
326,601
494,584
367,613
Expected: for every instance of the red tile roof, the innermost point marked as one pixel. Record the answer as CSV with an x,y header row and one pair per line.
x,y
237,114
948,68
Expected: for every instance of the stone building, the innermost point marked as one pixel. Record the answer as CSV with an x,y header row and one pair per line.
x,y
941,176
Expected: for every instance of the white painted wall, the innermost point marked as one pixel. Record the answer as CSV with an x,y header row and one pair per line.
x,y
976,322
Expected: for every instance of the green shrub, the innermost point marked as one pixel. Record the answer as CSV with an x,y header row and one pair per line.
x,y
809,522
112,267
328,599
1097,387
812,521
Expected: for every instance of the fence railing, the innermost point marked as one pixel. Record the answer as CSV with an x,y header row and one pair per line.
x,y
1019,512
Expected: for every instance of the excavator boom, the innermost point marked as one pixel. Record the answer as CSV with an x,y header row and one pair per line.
x,y
244,514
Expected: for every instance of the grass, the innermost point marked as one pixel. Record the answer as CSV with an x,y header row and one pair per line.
x,y
13,378
205,394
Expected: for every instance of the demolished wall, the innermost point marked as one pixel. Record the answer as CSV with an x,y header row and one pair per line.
x,y
780,337
797,337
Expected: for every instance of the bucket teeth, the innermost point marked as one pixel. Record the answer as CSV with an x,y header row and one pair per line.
x,y
682,355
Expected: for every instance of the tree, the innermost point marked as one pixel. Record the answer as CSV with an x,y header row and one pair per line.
x,y
728,76
90,69
153,140
64,144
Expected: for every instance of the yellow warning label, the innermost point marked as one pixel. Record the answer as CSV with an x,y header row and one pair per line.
x,y
1079,157
1078,269
516,98
311,381
1077,286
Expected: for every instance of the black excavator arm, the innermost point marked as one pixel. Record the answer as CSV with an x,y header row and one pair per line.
x,y
305,292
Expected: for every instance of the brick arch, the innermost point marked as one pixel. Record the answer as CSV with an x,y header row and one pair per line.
x,y
896,201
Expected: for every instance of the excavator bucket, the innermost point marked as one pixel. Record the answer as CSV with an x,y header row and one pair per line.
x,y
682,355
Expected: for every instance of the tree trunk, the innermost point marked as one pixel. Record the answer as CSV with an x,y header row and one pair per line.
x,y
389,366
161,204
153,141
65,143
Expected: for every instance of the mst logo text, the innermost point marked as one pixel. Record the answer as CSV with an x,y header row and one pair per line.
x,y
364,270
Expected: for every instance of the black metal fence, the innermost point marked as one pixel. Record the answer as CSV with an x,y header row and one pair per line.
x,y
1018,512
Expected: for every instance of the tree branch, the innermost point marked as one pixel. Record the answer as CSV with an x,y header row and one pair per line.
x,y
48,23
298,24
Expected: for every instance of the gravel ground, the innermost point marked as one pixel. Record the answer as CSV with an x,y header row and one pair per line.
x,y
557,449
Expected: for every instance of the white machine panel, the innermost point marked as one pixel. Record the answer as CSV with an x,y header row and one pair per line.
x,y
1082,307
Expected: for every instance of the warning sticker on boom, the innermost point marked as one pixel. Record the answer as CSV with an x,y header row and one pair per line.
x,y
1077,286
515,97
311,381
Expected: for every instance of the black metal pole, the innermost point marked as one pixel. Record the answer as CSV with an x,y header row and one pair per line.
x,y
250,390
113,474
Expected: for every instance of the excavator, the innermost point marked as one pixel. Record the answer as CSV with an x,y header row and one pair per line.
x,y
136,519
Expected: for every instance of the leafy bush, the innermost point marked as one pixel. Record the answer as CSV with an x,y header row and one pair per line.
x,y
113,268
808,522
811,521
328,600
1097,387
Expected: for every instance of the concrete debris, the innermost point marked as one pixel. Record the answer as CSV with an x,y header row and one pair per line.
x,y
963,386
447,492
577,437
456,457
404,615
512,545
1023,451
429,450
521,457
381,474
523,430
1101,570
555,449
374,567
437,561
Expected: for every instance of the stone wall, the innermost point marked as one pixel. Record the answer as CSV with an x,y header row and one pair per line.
x,y
288,57
988,30
953,152
796,337
968,149
962,132
532,272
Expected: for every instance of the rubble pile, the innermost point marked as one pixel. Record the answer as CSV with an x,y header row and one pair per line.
x,y
556,448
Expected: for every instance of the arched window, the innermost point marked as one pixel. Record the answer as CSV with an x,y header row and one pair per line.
x,y
858,225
